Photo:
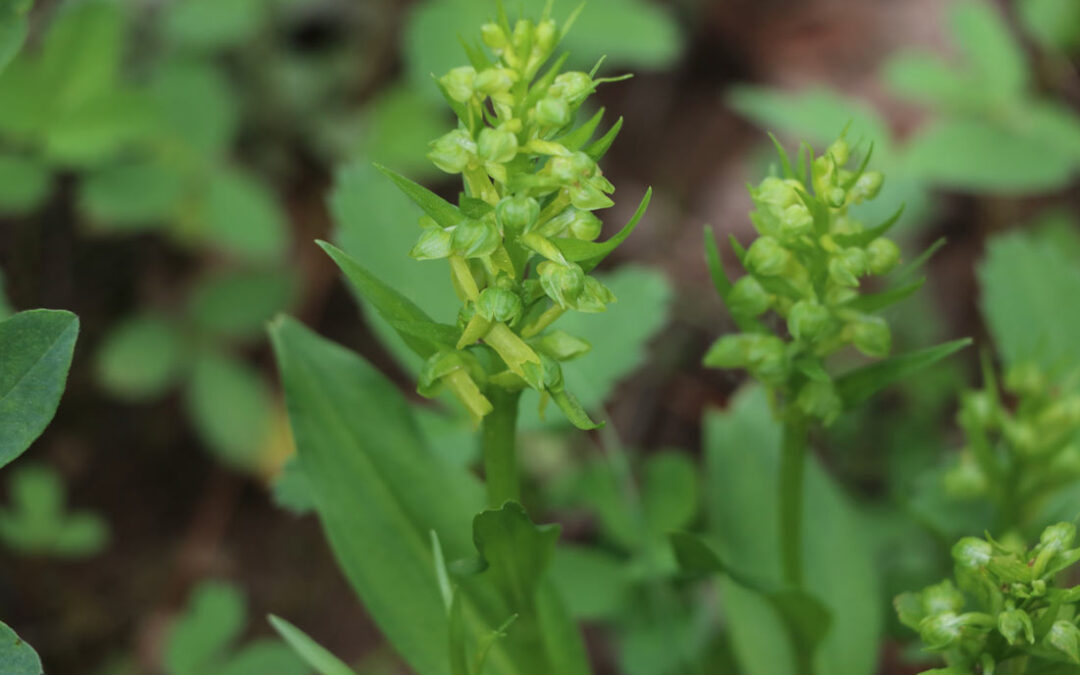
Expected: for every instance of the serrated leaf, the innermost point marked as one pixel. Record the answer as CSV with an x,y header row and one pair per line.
x,y
35,355
862,383
317,656
141,358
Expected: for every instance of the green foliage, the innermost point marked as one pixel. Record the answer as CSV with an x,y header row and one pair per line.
x,y
36,522
204,639
35,355
1054,23
17,657
313,653
142,357
1020,615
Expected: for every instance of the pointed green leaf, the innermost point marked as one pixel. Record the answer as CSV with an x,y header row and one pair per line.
x,y
589,253
860,384
873,302
441,211
214,618
598,149
317,656
35,355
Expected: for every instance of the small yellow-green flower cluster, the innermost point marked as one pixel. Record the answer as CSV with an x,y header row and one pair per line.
x,y
521,241
807,266
1021,616
1017,456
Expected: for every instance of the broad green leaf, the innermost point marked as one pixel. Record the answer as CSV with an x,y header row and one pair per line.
x,y
1027,284
24,184
214,618
516,552
131,196
742,462
13,29
99,129
37,523
197,107
317,656
393,307
1054,23
981,157
378,491
212,24
669,492
35,354
1051,124
377,226
860,384
17,657
243,217
758,635
141,357
631,33
595,584
237,303
925,78
264,657
991,52
81,53
231,406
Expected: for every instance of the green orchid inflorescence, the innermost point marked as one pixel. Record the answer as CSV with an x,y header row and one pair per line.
x,y
807,266
1017,456
522,239
1006,613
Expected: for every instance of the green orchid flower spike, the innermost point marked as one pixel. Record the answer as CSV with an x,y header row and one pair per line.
x,y
1007,612
803,299
521,242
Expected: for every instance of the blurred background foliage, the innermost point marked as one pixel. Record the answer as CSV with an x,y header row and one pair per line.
x,y
166,164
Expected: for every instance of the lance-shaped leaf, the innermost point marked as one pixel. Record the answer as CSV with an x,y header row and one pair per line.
x,y
862,383
441,211
872,302
598,149
316,656
35,355
590,254
17,657
400,312
866,236
746,324
580,136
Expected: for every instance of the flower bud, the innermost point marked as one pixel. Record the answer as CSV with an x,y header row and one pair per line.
x,y
820,400
729,351
1057,537
475,238
978,410
523,33
545,37
941,631
882,255
552,112
748,297
767,257
583,225
966,479
847,266
587,197
573,86
499,304
494,36
497,145
1023,436
840,151
517,213
872,337
796,221
808,321
836,197
767,359
595,298
495,80
971,553
452,152
1014,625
562,283
867,187
1026,379
1065,637
940,598
459,83
434,243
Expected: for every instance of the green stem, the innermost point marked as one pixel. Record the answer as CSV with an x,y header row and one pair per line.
x,y
499,443
792,471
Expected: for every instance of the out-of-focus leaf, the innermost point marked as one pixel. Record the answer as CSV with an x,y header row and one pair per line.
x,y
244,218
237,303
214,617
982,157
1027,284
24,184
377,490
1054,23
317,656
141,357
860,384
742,462
212,24
400,124
991,52
669,492
377,226
925,78
197,106
16,656
594,583
37,524
292,490
37,347
264,657
81,52
99,129
131,196
231,407
13,29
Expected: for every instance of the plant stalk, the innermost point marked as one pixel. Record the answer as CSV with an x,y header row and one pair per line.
x,y
499,443
792,479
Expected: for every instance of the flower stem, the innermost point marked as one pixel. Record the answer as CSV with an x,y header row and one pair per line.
x,y
792,478
499,443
